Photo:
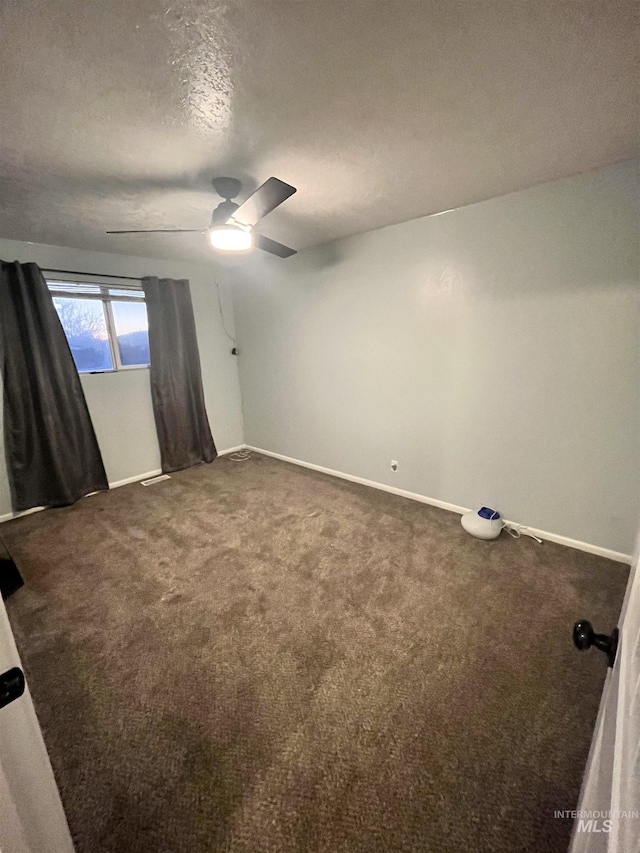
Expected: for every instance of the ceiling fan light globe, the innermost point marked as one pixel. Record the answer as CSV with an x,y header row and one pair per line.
x,y
230,238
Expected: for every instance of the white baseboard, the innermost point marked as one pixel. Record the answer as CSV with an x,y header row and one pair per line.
x,y
11,515
617,556
403,493
414,496
114,485
135,479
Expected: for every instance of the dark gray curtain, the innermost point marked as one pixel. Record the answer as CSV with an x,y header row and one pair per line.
x,y
176,382
50,446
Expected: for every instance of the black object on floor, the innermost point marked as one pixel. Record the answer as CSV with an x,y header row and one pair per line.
x,y
10,577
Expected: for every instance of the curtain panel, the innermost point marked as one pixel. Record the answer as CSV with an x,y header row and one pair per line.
x,y
181,419
51,449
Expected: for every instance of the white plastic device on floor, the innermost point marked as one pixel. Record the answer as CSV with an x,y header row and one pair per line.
x,y
484,523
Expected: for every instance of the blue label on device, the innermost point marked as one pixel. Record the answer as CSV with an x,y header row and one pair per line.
x,y
485,512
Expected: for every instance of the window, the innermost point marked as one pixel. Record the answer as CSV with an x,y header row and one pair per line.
x,y
106,326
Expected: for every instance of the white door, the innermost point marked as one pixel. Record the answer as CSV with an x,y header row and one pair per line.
x,y
608,818
31,815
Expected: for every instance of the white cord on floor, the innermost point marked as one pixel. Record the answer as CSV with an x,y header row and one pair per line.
x,y
240,456
518,530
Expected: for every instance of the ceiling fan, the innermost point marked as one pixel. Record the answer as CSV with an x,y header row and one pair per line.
x,y
232,225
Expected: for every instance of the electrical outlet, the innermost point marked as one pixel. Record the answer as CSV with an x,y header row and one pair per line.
x,y
394,465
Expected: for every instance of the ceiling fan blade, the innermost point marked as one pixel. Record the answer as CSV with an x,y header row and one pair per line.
x,y
163,231
271,246
265,199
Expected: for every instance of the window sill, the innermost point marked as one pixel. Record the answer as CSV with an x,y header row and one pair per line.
x,y
114,370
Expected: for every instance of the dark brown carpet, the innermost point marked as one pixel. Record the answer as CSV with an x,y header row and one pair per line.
x,y
256,658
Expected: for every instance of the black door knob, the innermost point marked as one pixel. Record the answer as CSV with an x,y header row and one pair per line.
x,y
584,637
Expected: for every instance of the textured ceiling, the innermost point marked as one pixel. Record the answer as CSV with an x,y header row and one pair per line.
x,y
117,114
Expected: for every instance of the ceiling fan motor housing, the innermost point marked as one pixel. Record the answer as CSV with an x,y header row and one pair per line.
x,y
227,187
223,211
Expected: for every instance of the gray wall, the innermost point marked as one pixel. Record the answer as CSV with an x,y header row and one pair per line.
x,y
120,403
492,350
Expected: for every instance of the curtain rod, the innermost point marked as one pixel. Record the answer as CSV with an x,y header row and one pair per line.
x,y
101,274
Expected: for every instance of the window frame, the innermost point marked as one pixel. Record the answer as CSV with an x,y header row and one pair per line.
x,y
106,297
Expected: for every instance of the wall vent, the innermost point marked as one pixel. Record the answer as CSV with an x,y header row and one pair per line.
x,y
153,480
